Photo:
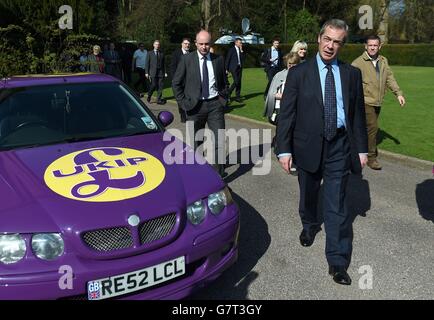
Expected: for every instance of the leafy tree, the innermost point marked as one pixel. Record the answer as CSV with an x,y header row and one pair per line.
x,y
303,26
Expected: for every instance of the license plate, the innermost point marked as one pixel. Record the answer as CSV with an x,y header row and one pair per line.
x,y
137,280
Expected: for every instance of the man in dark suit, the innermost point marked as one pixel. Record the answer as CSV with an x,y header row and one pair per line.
x,y
234,64
176,57
322,126
200,88
272,61
156,72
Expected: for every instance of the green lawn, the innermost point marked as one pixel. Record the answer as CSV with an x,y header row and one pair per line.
x,y
408,130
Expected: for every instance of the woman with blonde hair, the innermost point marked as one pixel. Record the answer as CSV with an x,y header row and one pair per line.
x,y
300,47
272,102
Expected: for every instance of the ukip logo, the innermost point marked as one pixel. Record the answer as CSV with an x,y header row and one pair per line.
x,y
104,174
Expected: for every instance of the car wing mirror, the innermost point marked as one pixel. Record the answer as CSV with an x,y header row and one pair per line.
x,y
165,118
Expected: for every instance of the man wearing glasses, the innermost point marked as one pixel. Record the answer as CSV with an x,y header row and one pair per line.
x,y
322,127
176,57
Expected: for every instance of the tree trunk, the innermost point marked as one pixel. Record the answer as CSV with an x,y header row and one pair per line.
x,y
383,28
207,17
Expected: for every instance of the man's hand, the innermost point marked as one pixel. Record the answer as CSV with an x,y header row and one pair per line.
x,y
286,163
401,100
363,159
278,96
147,76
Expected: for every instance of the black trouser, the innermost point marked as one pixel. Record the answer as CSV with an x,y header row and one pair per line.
x,y
142,79
334,170
271,72
236,76
211,113
157,83
126,68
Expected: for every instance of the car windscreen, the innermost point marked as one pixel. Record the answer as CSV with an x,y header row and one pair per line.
x,y
50,114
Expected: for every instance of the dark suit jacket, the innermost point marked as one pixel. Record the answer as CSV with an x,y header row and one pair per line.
x,y
301,120
176,57
152,64
231,63
266,56
186,83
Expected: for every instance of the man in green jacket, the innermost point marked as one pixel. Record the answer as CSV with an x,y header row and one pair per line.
x,y
377,75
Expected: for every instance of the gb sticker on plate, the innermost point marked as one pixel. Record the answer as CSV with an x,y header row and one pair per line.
x,y
93,290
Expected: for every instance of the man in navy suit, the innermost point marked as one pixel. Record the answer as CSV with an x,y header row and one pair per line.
x,y
272,60
322,126
234,64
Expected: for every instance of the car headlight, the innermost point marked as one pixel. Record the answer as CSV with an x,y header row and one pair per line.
x,y
47,246
196,212
219,200
12,248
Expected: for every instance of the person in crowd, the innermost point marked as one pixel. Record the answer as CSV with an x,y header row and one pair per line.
x,y
83,61
271,60
156,72
377,77
126,57
95,60
112,62
203,97
234,64
300,47
176,57
322,126
275,92
139,66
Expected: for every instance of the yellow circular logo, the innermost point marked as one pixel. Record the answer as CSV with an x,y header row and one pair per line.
x,y
104,174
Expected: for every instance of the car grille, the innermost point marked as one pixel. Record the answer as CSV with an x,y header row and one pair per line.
x,y
156,229
117,238
109,239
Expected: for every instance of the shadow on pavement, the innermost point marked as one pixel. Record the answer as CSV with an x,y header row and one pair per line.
x,y
425,199
358,196
254,241
244,160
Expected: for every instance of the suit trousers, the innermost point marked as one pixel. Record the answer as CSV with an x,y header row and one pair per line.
x,y
334,171
142,79
157,83
236,76
372,114
211,113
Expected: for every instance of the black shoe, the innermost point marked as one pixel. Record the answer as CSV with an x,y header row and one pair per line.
x,y
161,102
307,238
340,275
238,100
141,95
148,99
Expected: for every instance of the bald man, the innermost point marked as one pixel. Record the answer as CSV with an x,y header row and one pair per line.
x,y
200,88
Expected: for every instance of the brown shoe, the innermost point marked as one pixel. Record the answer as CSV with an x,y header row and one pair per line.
x,y
374,164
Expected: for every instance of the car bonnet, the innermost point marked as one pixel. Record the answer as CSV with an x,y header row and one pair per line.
x,y
87,185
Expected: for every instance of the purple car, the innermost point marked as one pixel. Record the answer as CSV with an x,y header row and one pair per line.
x,y
90,206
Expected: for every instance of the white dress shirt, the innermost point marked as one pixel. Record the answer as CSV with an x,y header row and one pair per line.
x,y
211,77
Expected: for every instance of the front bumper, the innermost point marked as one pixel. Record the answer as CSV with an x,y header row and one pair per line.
x,y
207,255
